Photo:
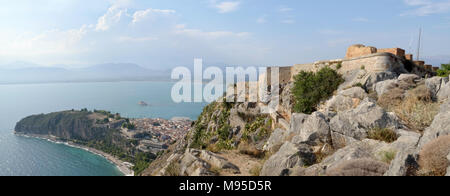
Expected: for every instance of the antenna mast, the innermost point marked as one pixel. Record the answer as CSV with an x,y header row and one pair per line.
x,y
419,43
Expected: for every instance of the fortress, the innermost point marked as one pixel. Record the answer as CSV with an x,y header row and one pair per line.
x,y
363,57
363,65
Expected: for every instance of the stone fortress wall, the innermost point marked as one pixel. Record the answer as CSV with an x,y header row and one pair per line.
x,y
360,57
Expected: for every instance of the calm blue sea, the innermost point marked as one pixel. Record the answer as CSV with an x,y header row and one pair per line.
x,y
34,157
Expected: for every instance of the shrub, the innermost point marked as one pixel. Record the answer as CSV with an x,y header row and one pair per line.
x,y
383,134
444,71
363,67
173,169
433,157
339,66
311,88
359,167
415,107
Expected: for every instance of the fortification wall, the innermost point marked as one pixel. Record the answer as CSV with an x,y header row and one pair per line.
x,y
373,63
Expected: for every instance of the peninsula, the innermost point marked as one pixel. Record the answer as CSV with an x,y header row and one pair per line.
x,y
130,144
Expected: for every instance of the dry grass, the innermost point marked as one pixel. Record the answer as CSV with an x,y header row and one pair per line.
x,y
256,170
359,167
414,107
215,170
250,150
433,157
383,134
173,169
388,156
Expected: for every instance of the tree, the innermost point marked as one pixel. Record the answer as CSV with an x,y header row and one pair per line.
x,y
311,88
444,71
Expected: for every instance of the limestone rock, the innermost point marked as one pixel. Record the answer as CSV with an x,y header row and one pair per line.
x,y
314,128
444,93
385,86
357,150
372,78
277,138
297,121
346,99
440,125
357,122
435,85
218,162
289,156
405,163
409,78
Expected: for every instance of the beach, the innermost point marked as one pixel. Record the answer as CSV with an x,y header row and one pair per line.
x,y
124,167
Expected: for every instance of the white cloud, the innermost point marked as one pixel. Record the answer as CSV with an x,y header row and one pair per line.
x,y
427,7
142,14
225,6
112,16
136,39
181,29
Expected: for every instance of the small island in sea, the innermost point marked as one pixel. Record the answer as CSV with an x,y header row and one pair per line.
x,y
131,144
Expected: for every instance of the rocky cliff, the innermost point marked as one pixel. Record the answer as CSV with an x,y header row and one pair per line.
x,y
376,123
100,130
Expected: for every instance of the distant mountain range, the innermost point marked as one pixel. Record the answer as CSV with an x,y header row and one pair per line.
x,y
31,73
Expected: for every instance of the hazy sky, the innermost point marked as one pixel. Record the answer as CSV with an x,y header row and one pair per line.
x,y
165,33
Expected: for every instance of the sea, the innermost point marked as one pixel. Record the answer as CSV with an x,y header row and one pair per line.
x,y
22,156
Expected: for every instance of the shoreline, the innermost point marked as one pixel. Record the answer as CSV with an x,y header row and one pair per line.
x,y
123,167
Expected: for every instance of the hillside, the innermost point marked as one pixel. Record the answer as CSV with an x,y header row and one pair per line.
x,y
392,122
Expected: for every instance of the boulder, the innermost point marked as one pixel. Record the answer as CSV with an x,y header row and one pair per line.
x,y
385,86
405,163
440,125
288,157
315,128
277,138
435,85
354,124
372,78
346,99
297,121
409,78
191,165
444,93
357,150
218,162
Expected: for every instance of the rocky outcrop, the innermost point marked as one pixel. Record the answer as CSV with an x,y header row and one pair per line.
x,y
314,128
444,93
436,84
350,126
277,138
288,157
440,125
346,100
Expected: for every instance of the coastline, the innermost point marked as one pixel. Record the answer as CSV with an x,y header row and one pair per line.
x,y
123,167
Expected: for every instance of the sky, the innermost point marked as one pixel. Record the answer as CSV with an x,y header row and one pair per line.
x,y
164,34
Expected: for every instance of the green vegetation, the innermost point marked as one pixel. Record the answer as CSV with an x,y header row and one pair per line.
x,y
363,67
383,134
339,66
311,88
444,71
129,126
388,156
261,125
